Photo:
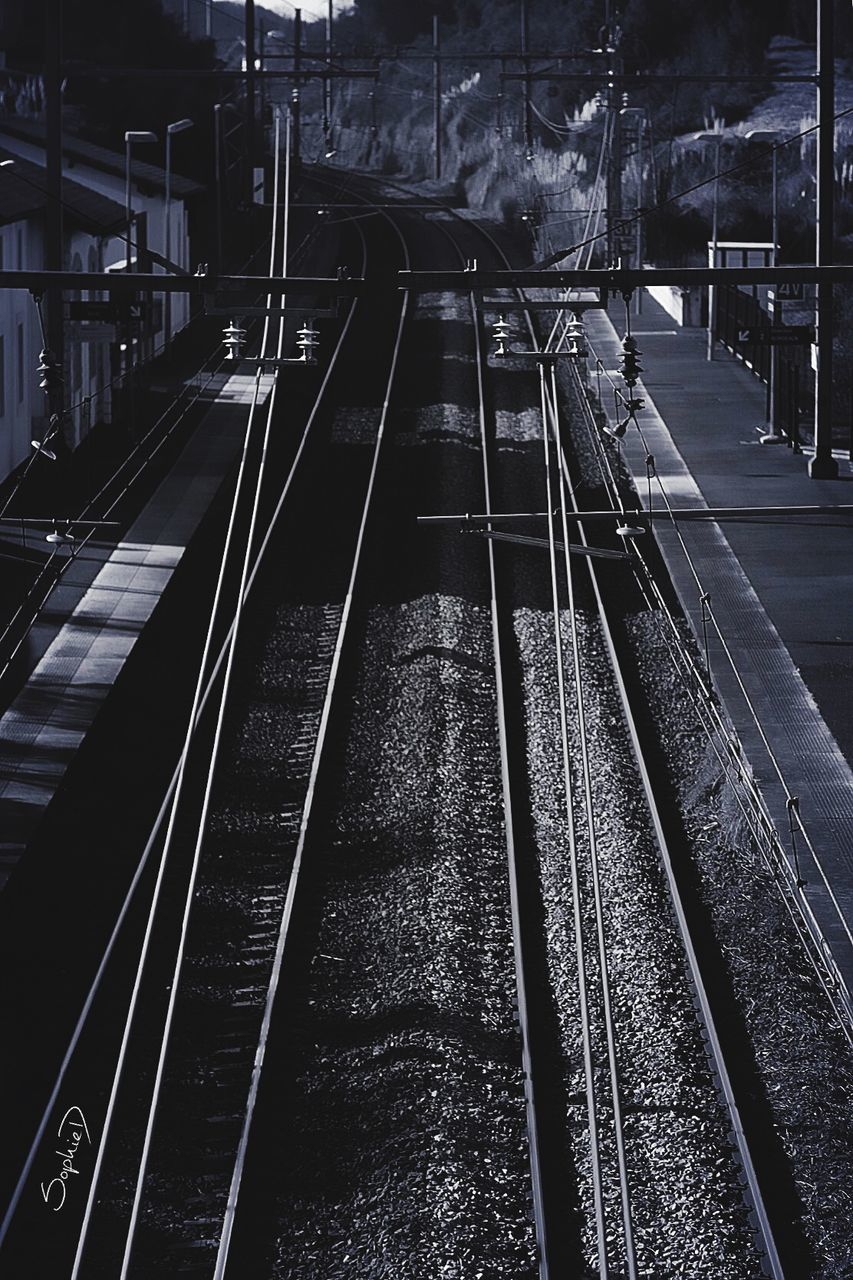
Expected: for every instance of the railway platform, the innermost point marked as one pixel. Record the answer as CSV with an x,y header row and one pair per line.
x,y
81,642
780,588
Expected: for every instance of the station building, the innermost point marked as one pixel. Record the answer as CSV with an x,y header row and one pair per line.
x,y
94,225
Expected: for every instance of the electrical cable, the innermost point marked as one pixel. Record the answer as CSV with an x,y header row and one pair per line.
x,y
580,956
226,684
663,204
594,861
724,746
168,841
737,675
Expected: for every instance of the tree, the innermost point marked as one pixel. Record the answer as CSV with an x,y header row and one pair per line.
x,y
135,33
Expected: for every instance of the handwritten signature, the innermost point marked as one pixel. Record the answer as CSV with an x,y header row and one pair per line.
x,y
72,1130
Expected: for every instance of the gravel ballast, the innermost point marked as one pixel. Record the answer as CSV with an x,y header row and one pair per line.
x,y
412,1113
688,1213
803,1058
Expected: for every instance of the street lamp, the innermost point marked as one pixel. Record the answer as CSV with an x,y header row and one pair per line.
x,y
178,126
717,138
638,116
771,137
131,136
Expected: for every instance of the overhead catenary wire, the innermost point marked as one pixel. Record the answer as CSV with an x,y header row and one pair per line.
x,y
229,1218
591,829
624,223
170,831
580,954
725,747
162,816
732,663
226,682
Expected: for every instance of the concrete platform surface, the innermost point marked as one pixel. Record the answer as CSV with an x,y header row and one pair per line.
x,y
95,617
779,588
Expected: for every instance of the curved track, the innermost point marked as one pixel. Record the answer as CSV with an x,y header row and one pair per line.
x,y
255,811
250,546
560,503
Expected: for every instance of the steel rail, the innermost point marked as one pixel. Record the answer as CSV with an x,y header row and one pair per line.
x,y
748,797
212,761
168,843
598,1193
721,737
224,1254
753,1192
599,1201
533,1119
728,753
591,826
757,721
577,913
753,1189
161,817
521,980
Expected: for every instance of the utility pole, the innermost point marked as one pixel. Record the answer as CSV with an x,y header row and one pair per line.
x,y
525,55
613,126
217,165
823,466
436,94
54,254
297,67
251,151
327,83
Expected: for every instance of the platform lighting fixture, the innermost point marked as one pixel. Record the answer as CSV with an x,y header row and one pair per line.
x,y
177,126
770,137
131,136
717,138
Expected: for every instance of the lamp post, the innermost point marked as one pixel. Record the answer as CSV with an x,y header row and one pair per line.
x,y
771,137
131,136
717,138
637,116
178,126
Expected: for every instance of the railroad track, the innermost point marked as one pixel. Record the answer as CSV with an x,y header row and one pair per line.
x,y
315,628
627,1240
616,1155
287,818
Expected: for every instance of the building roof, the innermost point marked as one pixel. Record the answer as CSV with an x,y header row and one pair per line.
x,y
23,193
146,177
